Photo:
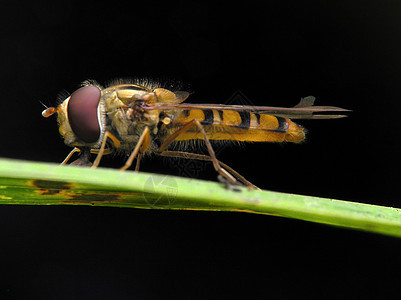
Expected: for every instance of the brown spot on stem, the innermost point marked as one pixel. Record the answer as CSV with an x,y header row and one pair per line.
x,y
46,187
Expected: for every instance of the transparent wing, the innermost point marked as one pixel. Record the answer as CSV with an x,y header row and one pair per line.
x,y
303,110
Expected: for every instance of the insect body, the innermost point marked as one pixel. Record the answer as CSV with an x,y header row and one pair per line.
x,y
144,119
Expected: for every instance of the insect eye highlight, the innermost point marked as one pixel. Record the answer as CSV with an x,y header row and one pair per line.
x,y
83,113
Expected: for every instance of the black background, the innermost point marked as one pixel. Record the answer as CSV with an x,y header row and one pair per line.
x,y
346,54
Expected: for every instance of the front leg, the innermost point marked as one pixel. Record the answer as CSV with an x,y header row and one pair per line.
x,y
102,149
83,159
141,147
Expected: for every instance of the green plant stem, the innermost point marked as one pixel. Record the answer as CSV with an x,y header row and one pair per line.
x,y
31,183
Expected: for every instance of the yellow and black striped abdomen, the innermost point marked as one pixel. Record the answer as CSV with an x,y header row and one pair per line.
x,y
239,126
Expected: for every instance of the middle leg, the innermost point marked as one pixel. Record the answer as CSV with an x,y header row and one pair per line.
x,y
209,147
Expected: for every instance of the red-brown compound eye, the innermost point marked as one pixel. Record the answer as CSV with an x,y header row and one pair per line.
x,y
83,113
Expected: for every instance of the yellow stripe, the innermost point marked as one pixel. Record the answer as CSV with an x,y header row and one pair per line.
x,y
193,114
231,118
268,122
254,122
216,117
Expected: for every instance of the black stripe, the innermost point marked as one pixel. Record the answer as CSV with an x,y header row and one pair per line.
x,y
282,125
134,88
208,120
220,114
245,119
186,113
257,118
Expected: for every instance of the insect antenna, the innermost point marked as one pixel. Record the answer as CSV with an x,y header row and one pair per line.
x,y
48,110
43,104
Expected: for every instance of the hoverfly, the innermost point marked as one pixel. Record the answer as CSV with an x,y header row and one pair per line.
x,y
139,119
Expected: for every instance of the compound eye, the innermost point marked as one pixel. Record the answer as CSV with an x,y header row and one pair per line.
x,y
83,113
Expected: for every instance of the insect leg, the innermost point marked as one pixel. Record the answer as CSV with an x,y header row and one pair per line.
x,y
213,158
140,148
187,155
138,161
70,155
107,151
116,143
83,159
76,149
143,148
